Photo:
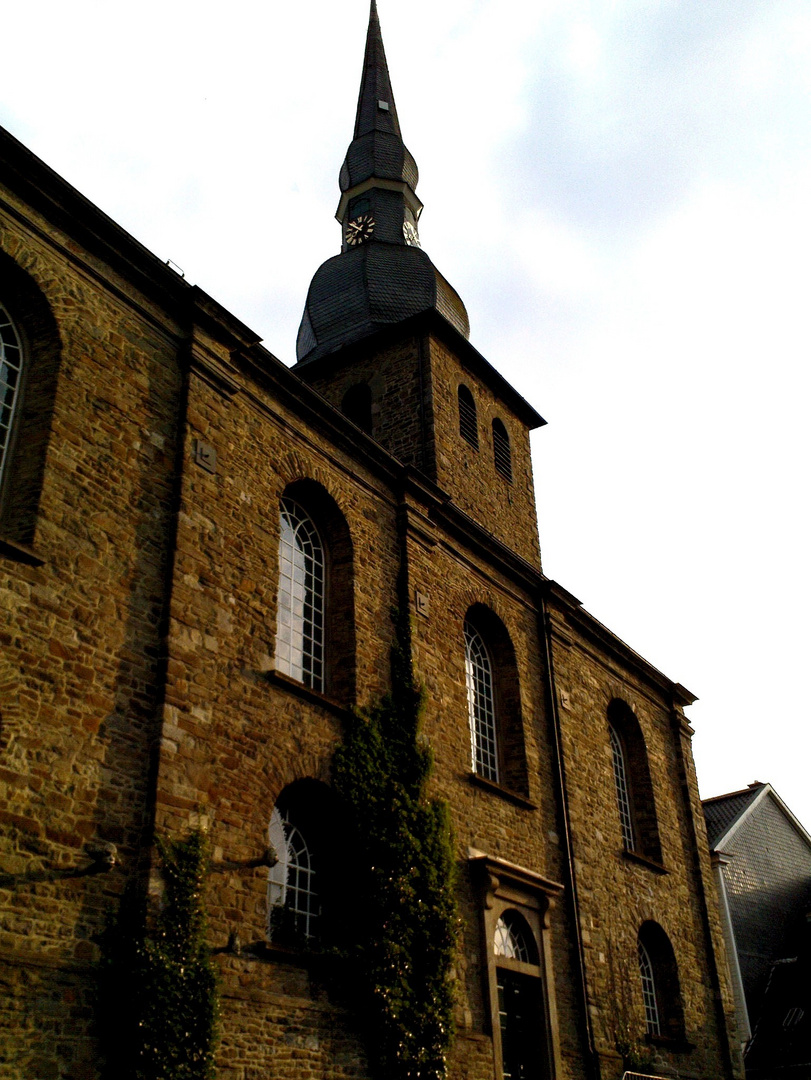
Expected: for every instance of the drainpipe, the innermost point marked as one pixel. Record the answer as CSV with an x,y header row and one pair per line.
x,y
593,1062
719,860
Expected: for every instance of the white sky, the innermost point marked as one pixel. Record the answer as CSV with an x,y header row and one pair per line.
x,y
619,190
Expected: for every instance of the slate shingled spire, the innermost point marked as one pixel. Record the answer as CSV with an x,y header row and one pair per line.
x,y
375,85
381,276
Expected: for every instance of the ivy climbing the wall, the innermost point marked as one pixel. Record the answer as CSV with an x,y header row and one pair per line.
x,y
159,1001
403,919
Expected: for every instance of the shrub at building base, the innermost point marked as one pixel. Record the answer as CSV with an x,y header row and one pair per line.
x,y
158,1000
403,920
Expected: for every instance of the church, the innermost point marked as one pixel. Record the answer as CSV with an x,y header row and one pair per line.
x,y
200,552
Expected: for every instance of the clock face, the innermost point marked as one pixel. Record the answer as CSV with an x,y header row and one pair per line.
x,y
410,234
359,230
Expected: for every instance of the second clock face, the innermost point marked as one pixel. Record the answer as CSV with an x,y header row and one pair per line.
x,y
410,234
359,230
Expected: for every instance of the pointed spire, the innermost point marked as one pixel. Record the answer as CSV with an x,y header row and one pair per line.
x,y
376,108
377,151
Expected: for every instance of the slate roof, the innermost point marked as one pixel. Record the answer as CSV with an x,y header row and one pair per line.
x,y
721,812
359,291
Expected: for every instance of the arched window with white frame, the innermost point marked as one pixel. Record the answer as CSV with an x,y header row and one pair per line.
x,y
633,789
294,904
301,598
660,985
621,786
315,598
30,357
481,705
11,378
651,1006
492,685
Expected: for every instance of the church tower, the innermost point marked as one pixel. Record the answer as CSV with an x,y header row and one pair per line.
x,y
385,337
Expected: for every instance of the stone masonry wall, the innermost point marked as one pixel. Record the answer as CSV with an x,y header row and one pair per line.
x,y
618,892
504,508
80,644
398,376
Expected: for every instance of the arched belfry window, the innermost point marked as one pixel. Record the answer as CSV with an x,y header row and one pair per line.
x,y
501,450
481,705
11,376
633,789
468,422
300,614
357,406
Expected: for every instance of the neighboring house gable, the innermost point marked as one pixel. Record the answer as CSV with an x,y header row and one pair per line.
x,y
764,859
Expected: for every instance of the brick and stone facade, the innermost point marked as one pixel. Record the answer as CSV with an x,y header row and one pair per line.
x,y
139,693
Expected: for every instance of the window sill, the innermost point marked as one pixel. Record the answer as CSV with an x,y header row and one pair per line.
x,y
667,1042
271,952
643,860
314,697
505,793
18,552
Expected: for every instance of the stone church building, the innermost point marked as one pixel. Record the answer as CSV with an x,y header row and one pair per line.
x,y
200,549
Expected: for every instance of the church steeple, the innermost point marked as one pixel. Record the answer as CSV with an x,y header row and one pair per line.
x,y
379,176
381,276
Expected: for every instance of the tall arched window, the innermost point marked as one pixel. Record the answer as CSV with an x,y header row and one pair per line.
x,y
497,751
501,450
632,783
481,705
307,896
648,991
300,616
468,424
661,989
621,785
294,904
11,374
30,355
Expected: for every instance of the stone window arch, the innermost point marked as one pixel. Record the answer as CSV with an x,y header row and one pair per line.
x,y
468,420
636,808
315,633
502,455
497,748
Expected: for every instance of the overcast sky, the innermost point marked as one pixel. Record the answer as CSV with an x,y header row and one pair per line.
x,y
618,189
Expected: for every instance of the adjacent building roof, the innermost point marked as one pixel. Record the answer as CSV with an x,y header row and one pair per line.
x,y
723,811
